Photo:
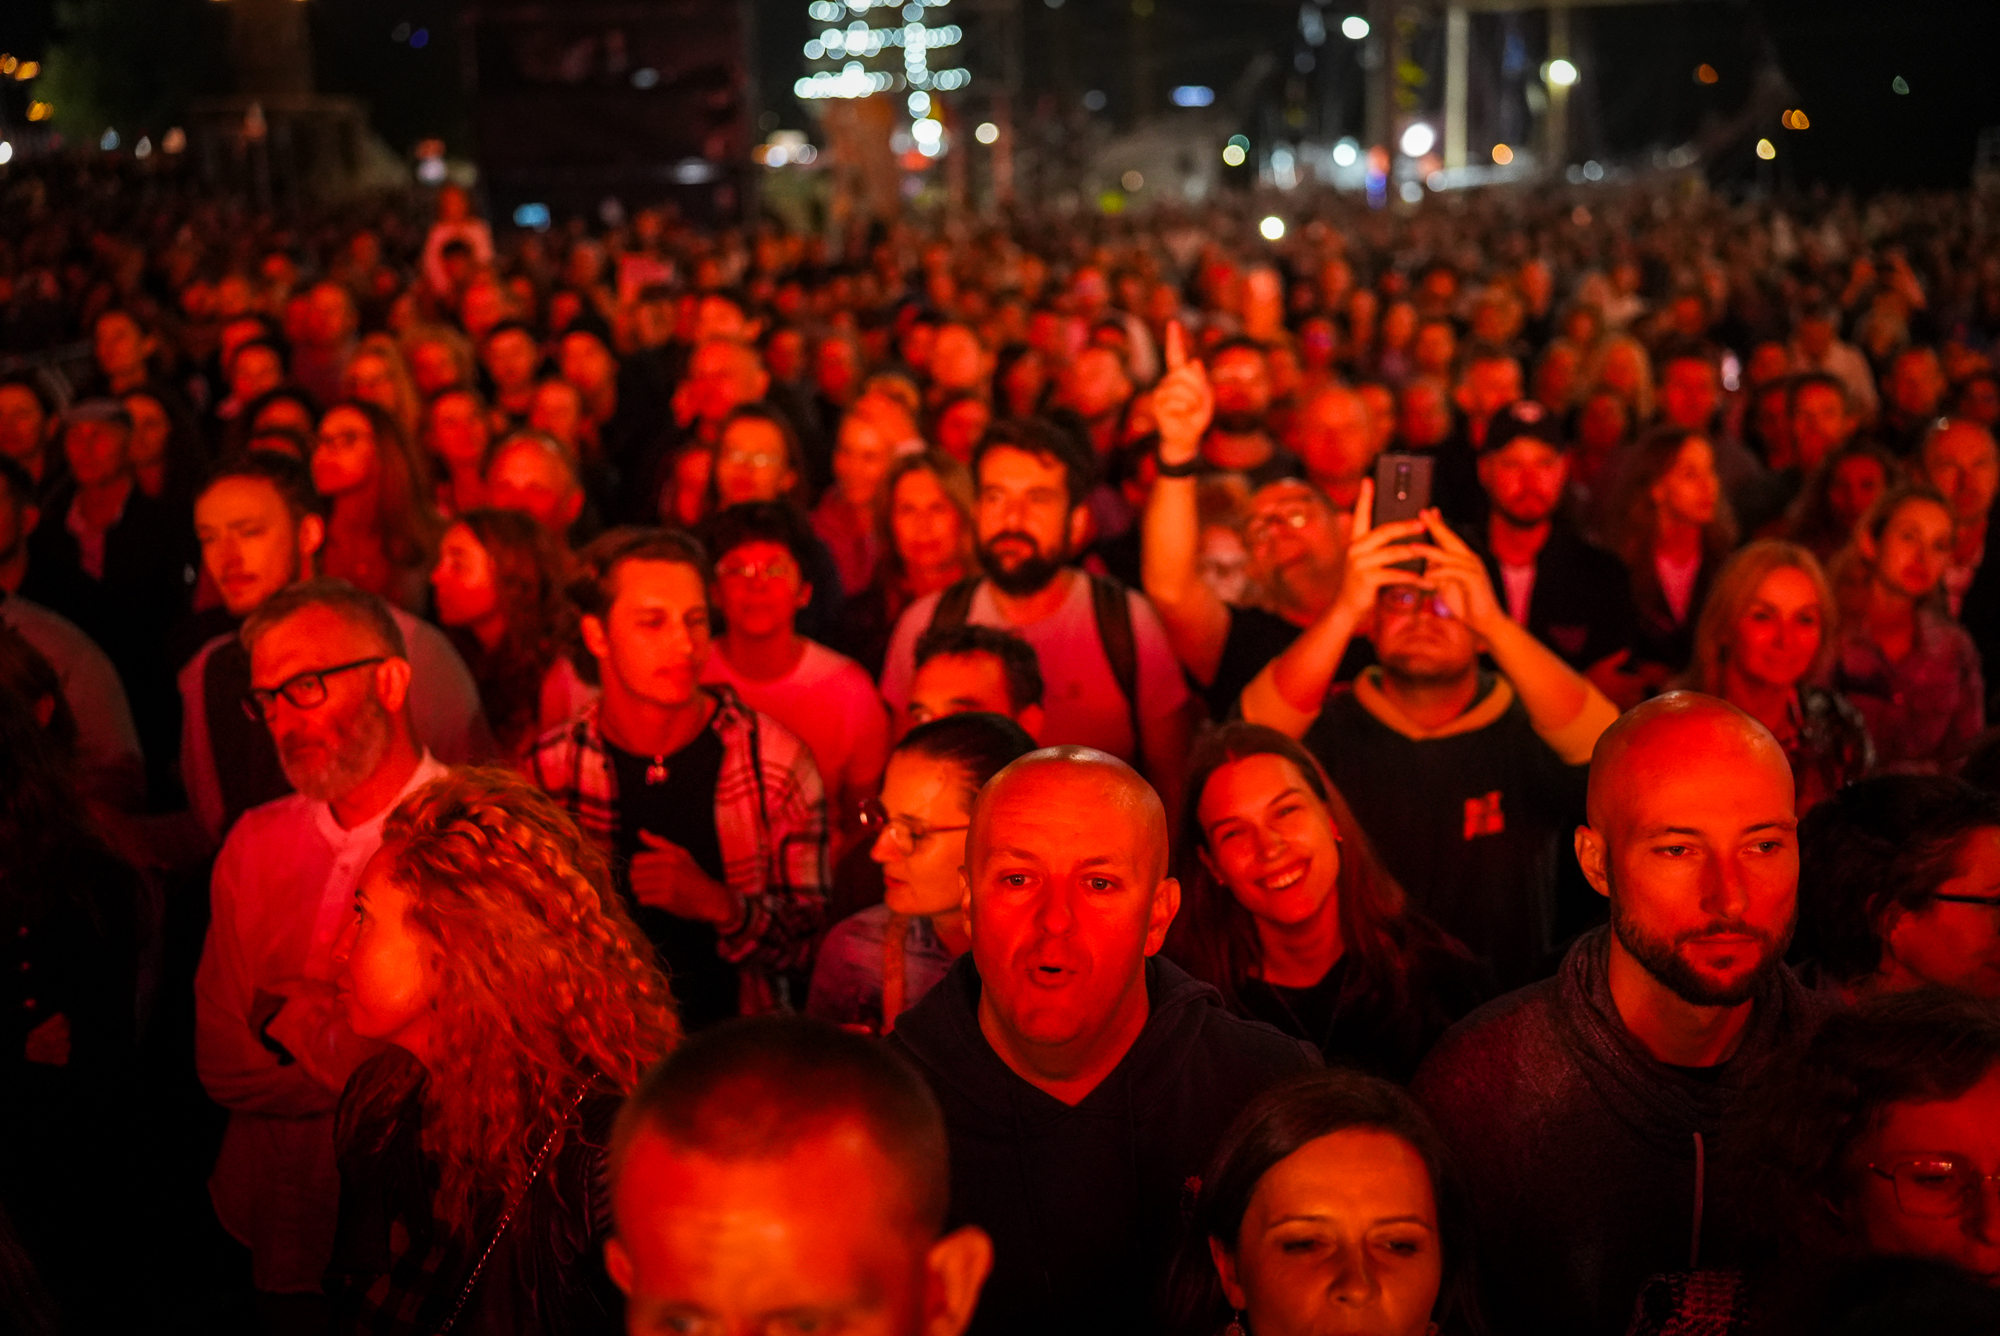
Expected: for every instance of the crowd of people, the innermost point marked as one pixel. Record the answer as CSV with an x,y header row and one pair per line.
x,y
1039,776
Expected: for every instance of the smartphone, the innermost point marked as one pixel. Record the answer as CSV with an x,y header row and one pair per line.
x,y
1402,486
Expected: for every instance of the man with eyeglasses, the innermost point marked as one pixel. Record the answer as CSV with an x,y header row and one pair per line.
x,y
1084,1079
1294,535
1587,1111
330,678
260,525
711,813
1487,766
826,699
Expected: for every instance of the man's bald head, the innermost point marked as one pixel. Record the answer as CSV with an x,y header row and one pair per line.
x,y
1676,730
1096,778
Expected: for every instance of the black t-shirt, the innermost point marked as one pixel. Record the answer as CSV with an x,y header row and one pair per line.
x,y
1255,638
1475,825
679,806
1356,1025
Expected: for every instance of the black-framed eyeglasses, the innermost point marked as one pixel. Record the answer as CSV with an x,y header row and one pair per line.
x,y
1409,597
905,830
1989,901
303,691
1274,521
1935,1187
750,572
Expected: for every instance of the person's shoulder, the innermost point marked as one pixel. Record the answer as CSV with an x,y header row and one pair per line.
x,y
778,744
919,613
284,818
1506,1043
859,932
825,666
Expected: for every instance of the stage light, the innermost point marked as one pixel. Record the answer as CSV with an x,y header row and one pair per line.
x,y
1193,95
1706,74
1766,149
1233,155
1272,228
1346,153
1132,181
1560,73
6,153
1502,155
987,133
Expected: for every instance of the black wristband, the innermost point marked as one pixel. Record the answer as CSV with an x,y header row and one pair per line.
x,y
1187,470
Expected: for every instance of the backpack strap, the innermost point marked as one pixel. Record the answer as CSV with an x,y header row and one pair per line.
x,y
954,605
1110,602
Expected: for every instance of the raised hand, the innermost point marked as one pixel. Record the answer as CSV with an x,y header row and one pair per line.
x,y
1373,554
1460,576
1183,401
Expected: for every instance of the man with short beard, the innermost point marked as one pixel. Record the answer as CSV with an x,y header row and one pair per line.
x,y
330,677
1030,520
1591,1112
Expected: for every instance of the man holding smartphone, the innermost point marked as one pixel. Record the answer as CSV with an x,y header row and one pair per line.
x,y
1490,766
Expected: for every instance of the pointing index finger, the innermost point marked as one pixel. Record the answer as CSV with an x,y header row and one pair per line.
x,y
1176,346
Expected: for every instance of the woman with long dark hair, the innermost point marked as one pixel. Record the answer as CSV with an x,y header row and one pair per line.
x,y
1331,1205
382,531
1289,913
519,1004
499,583
927,514
1677,531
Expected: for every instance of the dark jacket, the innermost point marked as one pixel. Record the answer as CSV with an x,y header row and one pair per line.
x,y
1581,606
1592,1165
546,1274
1979,614
1084,1203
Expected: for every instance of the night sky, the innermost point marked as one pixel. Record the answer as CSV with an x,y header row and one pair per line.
x,y
1840,57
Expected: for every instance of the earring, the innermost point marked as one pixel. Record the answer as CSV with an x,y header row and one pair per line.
x,y
1236,1327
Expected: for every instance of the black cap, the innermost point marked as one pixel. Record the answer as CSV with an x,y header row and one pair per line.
x,y
1523,417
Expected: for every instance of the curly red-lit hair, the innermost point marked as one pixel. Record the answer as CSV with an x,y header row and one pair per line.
x,y
544,984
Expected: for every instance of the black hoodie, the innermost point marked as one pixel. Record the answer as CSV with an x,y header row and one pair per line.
x,y
1085,1204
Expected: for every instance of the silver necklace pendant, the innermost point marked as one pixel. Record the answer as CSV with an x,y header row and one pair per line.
x,y
656,773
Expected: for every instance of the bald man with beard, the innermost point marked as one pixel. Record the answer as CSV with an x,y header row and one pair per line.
x,y
1590,1111
1084,1080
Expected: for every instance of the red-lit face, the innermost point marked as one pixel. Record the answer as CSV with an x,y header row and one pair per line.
x,y
927,529
1948,942
1067,900
1689,394
1289,524
557,410
1023,513
1491,384
862,454
345,458
1961,462
387,978
950,684
24,427
1964,1132
919,854
1858,481
527,476
97,452
760,589
1690,492
586,363
368,379
1778,635
1242,381
433,368
1914,549
960,426
752,463
511,358
121,346
1820,423
458,431
1701,858
1270,840
150,429
256,371
463,579
328,749
812,1239
1340,1238
1333,436
1524,480
655,639
250,546
1424,415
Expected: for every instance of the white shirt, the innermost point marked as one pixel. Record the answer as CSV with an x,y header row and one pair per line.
x,y
444,711
830,703
1081,700
283,889
1677,581
1520,582
107,744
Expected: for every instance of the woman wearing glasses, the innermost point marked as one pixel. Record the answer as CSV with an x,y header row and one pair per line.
x,y
876,964
1881,1142
1899,887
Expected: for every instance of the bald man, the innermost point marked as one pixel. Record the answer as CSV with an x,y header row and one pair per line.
x,y
1588,1110
1084,1081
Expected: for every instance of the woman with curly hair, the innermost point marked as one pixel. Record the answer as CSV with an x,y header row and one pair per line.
x,y
382,530
499,587
519,1004
1292,917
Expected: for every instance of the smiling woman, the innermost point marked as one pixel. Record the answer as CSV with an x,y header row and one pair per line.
x,y
1290,914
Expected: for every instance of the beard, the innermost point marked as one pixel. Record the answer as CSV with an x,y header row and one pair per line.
x,y
1029,575
1663,960
359,743
1239,421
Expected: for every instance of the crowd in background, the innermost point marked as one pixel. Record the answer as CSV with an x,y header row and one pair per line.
x,y
1527,655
